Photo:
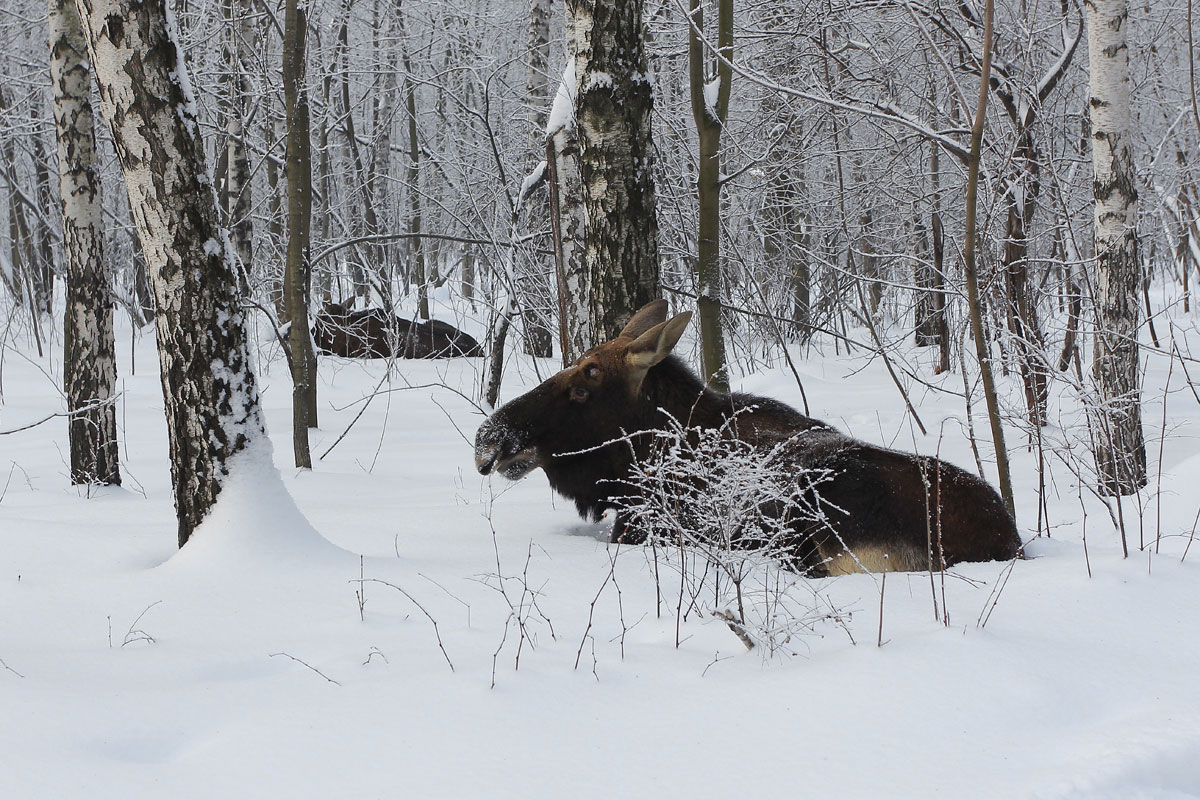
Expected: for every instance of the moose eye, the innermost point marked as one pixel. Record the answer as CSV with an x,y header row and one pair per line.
x,y
579,394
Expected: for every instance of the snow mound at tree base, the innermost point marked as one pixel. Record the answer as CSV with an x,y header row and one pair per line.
x,y
255,527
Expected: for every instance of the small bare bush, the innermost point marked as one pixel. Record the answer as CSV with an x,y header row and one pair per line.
x,y
733,521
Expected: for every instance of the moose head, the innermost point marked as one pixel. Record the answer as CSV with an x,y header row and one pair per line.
x,y
588,403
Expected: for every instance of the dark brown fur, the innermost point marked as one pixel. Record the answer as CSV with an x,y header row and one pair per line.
x,y
365,333
876,498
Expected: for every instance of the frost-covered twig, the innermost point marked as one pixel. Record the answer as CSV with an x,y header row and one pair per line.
x,y
361,411
135,634
994,596
436,631
520,610
79,412
310,666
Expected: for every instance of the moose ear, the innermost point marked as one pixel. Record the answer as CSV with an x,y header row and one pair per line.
x,y
656,344
651,314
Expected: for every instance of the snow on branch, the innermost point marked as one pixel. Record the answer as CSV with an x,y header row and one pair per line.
x,y
562,112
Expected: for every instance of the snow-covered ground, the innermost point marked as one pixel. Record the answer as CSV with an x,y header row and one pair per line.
x,y
246,666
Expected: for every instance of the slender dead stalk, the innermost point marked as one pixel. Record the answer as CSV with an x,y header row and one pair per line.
x,y
436,632
866,318
882,589
310,666
1191,537
1162,438
969,266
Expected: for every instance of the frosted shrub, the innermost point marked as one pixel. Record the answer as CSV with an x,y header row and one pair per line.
x,y
733,519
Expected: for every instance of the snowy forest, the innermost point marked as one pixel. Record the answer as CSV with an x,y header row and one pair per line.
x,y
895,495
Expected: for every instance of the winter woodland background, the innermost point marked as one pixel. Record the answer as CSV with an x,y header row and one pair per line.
x,y
485,642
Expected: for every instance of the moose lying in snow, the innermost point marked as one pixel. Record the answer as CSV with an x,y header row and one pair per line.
x,y
879,509
342,331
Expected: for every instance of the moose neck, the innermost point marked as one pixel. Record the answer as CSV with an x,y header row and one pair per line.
x,y
669,390
672,389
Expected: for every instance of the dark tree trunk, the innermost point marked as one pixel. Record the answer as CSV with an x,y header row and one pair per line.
x,y
43,275
974,300
374,257
939,295
298,274
276,192
18,229
1022,316
417,249
237,186
709,114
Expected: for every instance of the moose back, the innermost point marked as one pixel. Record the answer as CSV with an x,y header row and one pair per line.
x,y
885,510
374,333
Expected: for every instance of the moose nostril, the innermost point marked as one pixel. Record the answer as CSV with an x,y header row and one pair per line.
x,y
494,442
485,462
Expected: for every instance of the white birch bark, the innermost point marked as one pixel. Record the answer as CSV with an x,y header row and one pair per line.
x,y
1120,450
562,159
613,101
537,272
209,392
89,362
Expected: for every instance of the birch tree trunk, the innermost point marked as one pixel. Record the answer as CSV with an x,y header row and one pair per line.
x,y
568,217
1121,450
613,100
537,73
209,392
535,313
89,361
